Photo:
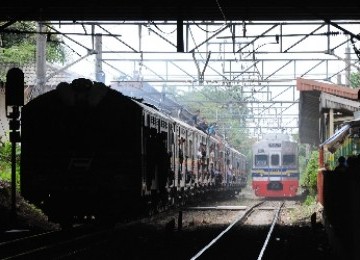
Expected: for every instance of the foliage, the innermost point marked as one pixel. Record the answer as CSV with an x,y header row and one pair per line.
x,y
223,106
28,216
20,53
310,200
309,178
302,153
6,162
355,80
18,45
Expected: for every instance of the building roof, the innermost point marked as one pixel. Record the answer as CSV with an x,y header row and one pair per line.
x,y
337,90
334,142
317,98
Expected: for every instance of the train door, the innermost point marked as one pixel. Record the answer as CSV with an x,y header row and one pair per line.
x,y
222,162
275,173
203,165
171,154
190,157
163,159
181,147
212,161
144,148
259,170
198,157
217,164
177,170
150,152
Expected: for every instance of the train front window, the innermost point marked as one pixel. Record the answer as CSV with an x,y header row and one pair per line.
x,y
261,160
289,159
275,159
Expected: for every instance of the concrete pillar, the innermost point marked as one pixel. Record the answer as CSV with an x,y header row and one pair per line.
x,y
39,86
99,73
331,122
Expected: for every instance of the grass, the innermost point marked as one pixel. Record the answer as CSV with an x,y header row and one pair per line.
x,y
27,215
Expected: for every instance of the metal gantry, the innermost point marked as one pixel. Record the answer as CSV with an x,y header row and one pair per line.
x,y
261,60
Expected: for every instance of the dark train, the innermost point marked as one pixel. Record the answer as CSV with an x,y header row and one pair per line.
x,y
275,171
88,151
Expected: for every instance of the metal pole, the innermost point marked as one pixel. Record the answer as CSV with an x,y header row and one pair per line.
x,y
14,138
13,174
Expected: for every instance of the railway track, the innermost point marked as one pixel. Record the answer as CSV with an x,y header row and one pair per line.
x,y
227,230
54,244
267,210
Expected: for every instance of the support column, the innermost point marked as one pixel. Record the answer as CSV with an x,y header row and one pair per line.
x,y
180,36
99,73
39,87
331,122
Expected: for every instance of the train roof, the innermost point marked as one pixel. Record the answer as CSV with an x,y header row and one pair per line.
x,y
149,94
154,110
65,93
236,151
275,137
216,139
150,108
348,129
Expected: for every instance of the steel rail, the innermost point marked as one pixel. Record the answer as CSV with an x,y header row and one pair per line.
x,y
241,217
270,231
44,243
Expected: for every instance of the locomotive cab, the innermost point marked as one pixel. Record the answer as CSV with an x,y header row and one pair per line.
x,y
275,167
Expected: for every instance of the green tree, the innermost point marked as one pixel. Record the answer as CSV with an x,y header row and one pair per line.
x,y
18,45
302,154
355,80
309,178
224,106
5,162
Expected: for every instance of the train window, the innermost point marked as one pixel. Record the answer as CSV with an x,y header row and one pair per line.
x,y
275,159
289,159
261,160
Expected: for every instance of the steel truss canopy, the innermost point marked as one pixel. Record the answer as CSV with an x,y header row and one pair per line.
x,y
256,48
259,61
174,10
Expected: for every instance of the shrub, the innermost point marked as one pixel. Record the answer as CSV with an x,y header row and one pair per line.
x,y
6,161
309,180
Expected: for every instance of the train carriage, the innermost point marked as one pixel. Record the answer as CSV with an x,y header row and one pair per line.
x,y
275,167
89,151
